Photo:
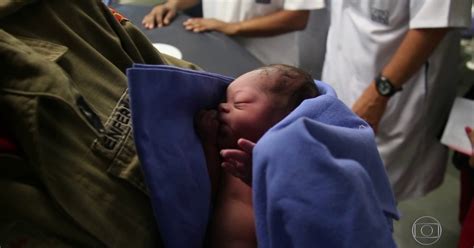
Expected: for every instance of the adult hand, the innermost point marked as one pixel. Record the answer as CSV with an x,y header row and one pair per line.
x,y
238,162
161,15
371,106
207,126
470,135
199,25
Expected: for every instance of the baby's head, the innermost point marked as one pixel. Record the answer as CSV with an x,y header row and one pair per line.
x,y
259,99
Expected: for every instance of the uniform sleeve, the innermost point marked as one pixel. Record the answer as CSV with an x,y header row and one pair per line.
x,y
303,4
440,13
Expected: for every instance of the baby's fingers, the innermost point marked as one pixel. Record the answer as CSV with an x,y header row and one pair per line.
x,y
237,169
246,145
235,154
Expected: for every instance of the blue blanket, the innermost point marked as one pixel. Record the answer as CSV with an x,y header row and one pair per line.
x,y
318,180
163,101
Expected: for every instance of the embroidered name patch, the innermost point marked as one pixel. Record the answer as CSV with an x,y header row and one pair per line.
x,y
117,126
379,15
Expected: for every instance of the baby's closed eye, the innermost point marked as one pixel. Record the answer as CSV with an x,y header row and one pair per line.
x,y
239,103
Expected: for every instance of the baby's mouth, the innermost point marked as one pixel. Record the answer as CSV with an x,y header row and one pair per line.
x,y
222,122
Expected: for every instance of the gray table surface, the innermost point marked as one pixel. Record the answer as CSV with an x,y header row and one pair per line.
x,y
213,51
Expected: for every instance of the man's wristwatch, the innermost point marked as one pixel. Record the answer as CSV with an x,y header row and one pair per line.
x,y
385,87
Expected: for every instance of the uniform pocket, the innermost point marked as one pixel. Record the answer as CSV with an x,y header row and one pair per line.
x,y
114,140
116,144
48,50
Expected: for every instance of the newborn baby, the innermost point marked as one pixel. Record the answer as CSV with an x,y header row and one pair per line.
x,y
255,102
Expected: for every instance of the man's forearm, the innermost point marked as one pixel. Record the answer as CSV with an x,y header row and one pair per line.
x,y
412,53
273,24
182,4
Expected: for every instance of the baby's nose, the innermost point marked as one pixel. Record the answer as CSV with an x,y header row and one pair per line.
x,y
223,107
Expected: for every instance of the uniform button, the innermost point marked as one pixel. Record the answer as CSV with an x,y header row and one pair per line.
x,y
90,116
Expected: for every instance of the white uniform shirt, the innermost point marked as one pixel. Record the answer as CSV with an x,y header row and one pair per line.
x,y
270,50
363,36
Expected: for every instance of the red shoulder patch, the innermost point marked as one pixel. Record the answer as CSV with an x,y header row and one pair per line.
x,y
119,17
7,144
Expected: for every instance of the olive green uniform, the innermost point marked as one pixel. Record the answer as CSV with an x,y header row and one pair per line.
x,y
63,95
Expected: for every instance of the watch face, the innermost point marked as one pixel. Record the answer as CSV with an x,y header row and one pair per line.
x,y
384,88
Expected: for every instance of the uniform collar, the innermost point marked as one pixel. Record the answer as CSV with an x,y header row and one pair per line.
x,y
8,7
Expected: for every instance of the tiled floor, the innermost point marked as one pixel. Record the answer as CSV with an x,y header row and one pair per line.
x,y
441,204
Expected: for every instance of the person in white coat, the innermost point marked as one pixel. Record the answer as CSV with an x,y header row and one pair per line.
x,y
264,27
394,63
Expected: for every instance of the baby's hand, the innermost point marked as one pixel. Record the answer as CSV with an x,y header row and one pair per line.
x,y
207,126
239,162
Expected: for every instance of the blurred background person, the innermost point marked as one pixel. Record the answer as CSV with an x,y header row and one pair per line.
x,y
465,165
377,48
265,28
463,162
311,42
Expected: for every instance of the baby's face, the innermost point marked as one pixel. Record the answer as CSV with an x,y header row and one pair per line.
x,y
249,111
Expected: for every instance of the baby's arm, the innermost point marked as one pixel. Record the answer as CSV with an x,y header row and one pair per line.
x,y
238,162
207,127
